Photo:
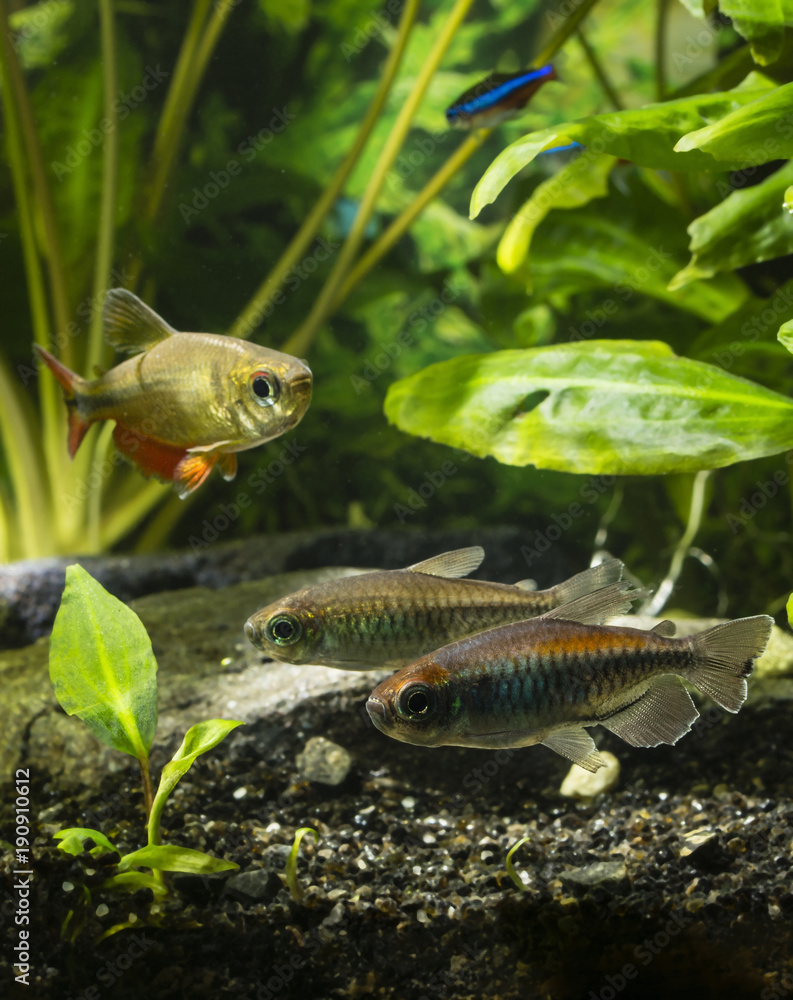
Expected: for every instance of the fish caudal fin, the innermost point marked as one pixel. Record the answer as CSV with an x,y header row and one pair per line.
x,y
725,656
595,608
70,383
609,571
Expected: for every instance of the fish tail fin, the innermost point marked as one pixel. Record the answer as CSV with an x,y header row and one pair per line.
x,y
71,383
609,571
725,656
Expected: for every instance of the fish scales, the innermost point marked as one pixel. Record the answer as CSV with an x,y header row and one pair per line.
x,y
543,680
390,617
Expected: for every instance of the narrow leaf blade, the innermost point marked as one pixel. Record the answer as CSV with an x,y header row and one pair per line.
x,y
170,858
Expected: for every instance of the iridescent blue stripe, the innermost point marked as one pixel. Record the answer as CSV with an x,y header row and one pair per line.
x,y
495,96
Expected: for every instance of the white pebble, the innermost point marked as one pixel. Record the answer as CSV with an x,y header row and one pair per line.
x,y
582,784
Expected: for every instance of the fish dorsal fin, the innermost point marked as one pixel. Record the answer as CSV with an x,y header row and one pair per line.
x,y
130,325
662,715
527,584
575,744
459,562
595,608
665,628
592,579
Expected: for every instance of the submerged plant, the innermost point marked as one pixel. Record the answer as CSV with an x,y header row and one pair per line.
x,y
295,889
103,670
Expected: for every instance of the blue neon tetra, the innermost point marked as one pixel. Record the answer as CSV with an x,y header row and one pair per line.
x,y
496,98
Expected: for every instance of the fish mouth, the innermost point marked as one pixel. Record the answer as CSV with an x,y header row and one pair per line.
x,y
377,712
253,634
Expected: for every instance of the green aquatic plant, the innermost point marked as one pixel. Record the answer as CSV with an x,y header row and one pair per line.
x,y
295,889
103,671
518,881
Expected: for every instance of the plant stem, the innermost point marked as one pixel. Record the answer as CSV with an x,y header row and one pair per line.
x,y
438,182
104,242
696,510
145,774
302,339
662,8
600,73
15,81
126,516
251,315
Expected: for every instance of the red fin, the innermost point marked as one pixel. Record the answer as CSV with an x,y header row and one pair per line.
x,y
191,472
228,465
69,382
152,457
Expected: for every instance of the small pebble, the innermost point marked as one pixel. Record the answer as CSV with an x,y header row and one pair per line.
x,y
582,784
324,762
408,802
240,793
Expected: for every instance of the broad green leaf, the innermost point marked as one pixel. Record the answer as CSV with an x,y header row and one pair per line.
x,y
645,136
576,184
790,611
170,858
785,335
761,22
73,839
756,133
102,666
747,227
198,739
613,407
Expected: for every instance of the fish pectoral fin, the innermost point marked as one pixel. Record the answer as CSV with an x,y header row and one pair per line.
x,y
227,463
575,744
191,472
666,629
454,564
595,608
663,714
130,325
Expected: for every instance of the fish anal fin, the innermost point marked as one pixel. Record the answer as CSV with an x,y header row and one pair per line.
x,y
129,324
152,457
595,608
576,745
227,463
191,471
592,579
666,629
663,714
454,564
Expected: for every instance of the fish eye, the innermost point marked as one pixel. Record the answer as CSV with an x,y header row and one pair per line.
x,y
264,387
417,701
284,630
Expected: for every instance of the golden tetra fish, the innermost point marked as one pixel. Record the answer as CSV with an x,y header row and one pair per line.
x,y
187,401
544,680
388,618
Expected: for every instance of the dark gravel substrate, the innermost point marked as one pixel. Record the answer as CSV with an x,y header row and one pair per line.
x,y
406,894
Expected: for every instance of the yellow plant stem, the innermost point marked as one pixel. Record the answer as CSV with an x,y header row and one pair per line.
x,y
15,81
438,182
251,315
105,235
301,340
124,517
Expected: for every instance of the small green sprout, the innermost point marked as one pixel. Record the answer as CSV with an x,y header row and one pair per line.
x,y
511,868
291,862
103,670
